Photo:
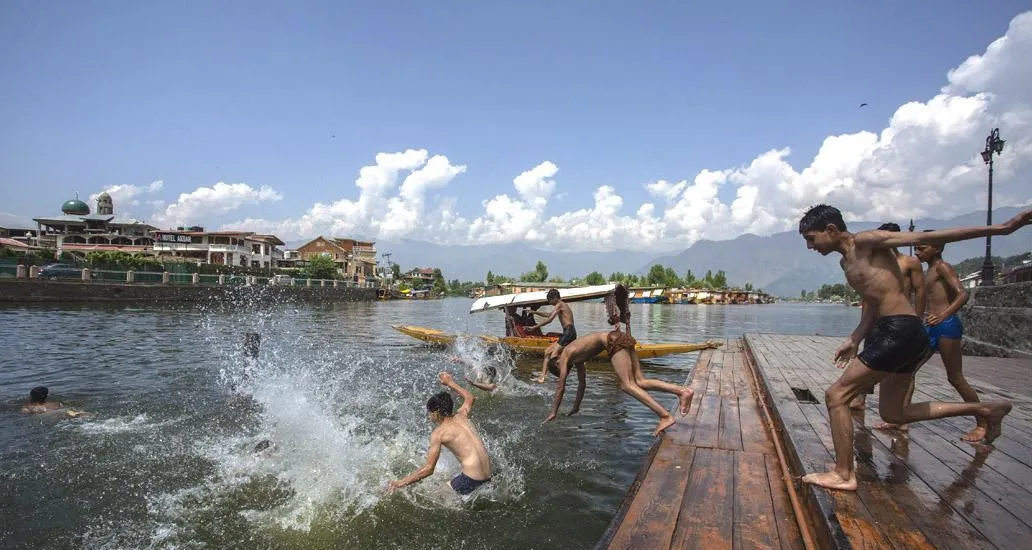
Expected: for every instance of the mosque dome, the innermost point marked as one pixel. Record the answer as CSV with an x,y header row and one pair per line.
x,y
75,207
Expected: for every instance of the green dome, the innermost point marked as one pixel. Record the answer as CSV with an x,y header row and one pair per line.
x,y
75,207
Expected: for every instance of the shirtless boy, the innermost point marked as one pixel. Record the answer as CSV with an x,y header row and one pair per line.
x,y
914,290
945,298
622,354
456,432
565,314
38,403
897,343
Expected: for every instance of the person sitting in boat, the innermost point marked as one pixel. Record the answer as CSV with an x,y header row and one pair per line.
x,y
562,310
456,432
526,319
38,403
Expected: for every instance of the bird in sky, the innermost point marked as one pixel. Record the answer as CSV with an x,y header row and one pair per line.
x,y
862,105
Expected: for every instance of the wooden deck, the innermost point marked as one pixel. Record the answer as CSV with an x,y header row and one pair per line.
x,y
713,480
925,489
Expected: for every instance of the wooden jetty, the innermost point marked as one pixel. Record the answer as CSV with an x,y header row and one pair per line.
x,y
922,489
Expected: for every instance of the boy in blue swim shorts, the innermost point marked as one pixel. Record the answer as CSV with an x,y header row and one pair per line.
x,y
945,297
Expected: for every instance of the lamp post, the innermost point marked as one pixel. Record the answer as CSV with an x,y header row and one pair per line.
x,y
911,229
993,144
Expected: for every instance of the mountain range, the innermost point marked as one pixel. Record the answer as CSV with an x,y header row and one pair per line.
x,y
779,263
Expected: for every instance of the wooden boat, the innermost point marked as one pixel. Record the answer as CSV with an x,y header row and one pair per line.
x,y
516,339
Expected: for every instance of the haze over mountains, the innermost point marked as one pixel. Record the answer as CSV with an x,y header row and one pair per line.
x,y
780,263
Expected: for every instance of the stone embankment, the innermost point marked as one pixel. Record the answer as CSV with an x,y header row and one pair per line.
x,y
998,321
36,290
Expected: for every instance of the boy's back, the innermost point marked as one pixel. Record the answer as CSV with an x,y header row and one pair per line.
x,y
460,437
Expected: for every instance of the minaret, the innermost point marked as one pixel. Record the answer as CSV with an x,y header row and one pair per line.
x,y
104,205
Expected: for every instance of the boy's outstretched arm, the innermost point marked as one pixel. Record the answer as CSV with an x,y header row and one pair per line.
x,y
551,316
890,239
467,398
431,464
482,385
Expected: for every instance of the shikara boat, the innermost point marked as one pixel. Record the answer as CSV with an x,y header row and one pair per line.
x,y
517,338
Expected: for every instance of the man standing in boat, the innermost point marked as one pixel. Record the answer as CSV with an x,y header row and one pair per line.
x,y
565,314
897,343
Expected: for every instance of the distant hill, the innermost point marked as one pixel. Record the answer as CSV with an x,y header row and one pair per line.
x,y
781,265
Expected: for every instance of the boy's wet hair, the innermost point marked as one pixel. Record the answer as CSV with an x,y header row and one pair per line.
x,y
553,367
552,295
39,394
440,403
818,217
618,308
491,373
894,227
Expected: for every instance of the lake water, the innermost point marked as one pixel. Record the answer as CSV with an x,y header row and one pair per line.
x,y
168,459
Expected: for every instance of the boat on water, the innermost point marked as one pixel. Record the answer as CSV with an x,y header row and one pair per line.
x,y
518,338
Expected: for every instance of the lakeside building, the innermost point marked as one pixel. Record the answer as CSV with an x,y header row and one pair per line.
x,y
421,275
78,230
234,248
355,260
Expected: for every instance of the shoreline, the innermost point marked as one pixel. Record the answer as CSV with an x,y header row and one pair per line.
x,y
37,291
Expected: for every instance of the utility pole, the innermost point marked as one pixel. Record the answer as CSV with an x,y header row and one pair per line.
x,y
993,144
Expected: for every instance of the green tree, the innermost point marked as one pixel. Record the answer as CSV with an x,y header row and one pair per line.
x,y
490,278
689,280
594,278
720,279
542,271
321,267
557,279
395,271
670,278
439,286
657,275
748,287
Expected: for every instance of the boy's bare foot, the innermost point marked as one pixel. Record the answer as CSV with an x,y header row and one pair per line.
x,y
686,400
663,424
891,426
977,434
994,420
831,480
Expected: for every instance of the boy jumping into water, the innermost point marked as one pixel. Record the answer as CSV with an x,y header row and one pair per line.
x,y
914,290
561,309
456,432
622,354
897,344
945,298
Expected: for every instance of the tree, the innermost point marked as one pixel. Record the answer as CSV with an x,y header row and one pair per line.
x,y
720,279
557,279
748,287
395,271
594,278
490,278
542,270
321,267
670,278
802,294
439,285
657,275
689,280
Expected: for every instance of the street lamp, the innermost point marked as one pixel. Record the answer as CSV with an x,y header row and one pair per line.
x,y
993,144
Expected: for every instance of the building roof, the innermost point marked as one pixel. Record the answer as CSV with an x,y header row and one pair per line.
x,y
11,243
103,247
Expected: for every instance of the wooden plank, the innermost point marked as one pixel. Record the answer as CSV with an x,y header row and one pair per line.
x,y
729,432
707,422
755,525
681,433
784,515
755,438
652,515
706,518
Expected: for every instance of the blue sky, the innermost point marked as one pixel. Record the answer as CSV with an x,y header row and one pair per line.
x,y
299,98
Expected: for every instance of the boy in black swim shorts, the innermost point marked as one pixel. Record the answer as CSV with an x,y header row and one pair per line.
x,y
898,344
562,310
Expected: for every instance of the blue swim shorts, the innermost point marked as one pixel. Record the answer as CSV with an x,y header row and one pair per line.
x,y
950,327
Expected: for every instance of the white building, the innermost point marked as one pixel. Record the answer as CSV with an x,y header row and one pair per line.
x,y
235,248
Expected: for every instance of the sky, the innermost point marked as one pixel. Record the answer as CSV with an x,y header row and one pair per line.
x,y
575,125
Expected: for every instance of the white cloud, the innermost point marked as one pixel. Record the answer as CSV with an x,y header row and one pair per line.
x,y
925,162
205,202
124,197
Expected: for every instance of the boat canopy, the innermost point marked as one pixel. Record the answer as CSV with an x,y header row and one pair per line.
x,y
530,299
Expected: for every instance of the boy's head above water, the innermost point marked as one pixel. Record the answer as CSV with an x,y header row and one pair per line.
x,y
39,394
439,406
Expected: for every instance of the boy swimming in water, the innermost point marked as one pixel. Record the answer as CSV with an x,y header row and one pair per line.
x,y
38,404
456,432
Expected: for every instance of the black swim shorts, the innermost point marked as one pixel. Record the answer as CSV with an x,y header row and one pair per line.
x,y
464,485
897,344
569,335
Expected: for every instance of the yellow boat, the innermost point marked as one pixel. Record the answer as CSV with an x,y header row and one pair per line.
x,y
537,345
517,341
